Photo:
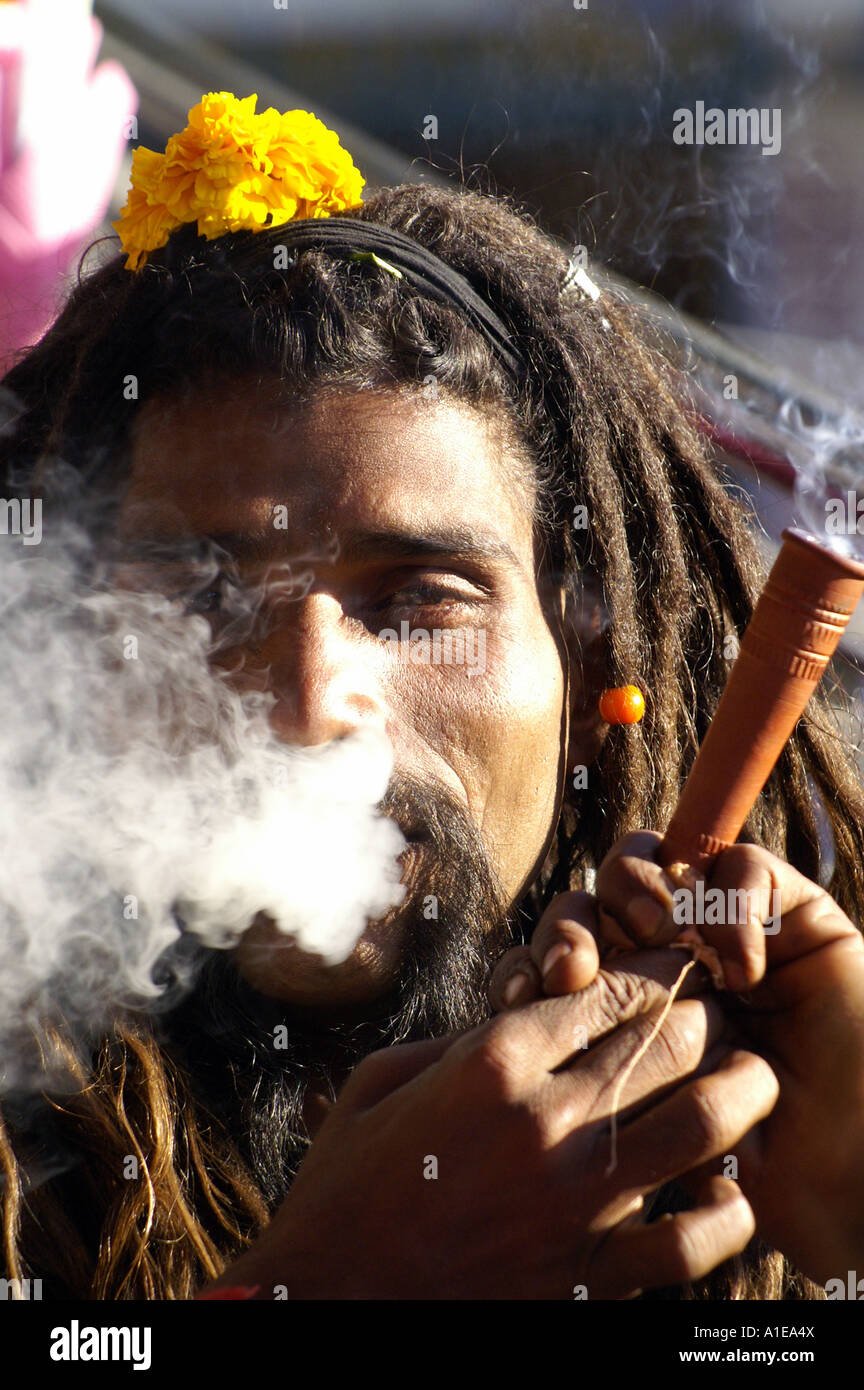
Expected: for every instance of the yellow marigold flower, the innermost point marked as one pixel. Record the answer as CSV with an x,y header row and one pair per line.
x,y
233,169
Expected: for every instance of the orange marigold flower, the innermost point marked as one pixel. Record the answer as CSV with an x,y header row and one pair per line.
x,y
233,169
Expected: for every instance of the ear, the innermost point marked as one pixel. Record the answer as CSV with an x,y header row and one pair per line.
x,y
585,638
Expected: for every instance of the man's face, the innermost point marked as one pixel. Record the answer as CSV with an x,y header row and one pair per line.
x,y
397,510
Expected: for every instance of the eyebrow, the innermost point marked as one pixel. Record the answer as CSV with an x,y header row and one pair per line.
x,y
362,546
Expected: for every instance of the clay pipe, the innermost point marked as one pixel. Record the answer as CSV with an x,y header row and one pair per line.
x,y
800,617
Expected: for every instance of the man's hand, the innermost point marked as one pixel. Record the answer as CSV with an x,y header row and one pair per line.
x,y
476,1166
803,1170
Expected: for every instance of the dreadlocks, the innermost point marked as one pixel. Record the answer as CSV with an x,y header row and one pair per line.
x,y
604,419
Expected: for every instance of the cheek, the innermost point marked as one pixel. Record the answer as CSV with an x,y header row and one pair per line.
x,y
494,736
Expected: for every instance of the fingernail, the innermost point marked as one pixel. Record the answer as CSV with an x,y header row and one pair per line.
x,y
648,914
553,954
515,987
735,977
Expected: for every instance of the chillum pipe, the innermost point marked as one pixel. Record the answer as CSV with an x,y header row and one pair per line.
x,y
800,617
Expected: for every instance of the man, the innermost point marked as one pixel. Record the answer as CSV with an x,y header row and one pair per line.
x,y
466,1156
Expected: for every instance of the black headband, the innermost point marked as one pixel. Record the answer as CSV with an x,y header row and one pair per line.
x,y
422,269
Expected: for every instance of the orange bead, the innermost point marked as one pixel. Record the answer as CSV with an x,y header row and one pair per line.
x,y
623,705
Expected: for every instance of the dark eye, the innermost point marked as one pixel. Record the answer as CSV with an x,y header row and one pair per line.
x,y
416,595
444,593
210,599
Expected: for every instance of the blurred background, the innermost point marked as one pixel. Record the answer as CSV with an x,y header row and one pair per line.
x,y
572,110
746,262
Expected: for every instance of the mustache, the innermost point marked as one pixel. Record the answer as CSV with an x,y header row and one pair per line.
x,y
428,809
222,1034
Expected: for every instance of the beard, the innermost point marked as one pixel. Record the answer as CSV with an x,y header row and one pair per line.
x,y
251,1060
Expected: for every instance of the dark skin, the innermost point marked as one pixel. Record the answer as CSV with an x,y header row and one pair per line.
x,y
803,1168
492,737
516,1096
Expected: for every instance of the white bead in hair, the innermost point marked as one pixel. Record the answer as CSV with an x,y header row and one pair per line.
x,y
577,277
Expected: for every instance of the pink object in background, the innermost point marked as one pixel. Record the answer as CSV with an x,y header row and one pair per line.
x,y
64,129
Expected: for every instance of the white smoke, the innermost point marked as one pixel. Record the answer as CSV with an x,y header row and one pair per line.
x,y
139,792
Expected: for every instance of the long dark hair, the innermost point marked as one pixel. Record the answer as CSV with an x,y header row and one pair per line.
x,y
606,422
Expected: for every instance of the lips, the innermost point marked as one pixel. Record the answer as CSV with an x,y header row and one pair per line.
x,y
413,833
414,841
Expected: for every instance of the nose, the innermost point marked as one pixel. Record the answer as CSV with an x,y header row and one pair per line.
x,y
324,673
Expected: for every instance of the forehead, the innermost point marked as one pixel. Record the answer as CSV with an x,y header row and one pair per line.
x,y
223,457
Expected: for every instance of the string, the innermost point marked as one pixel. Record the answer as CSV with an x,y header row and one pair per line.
x,y
636,1059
